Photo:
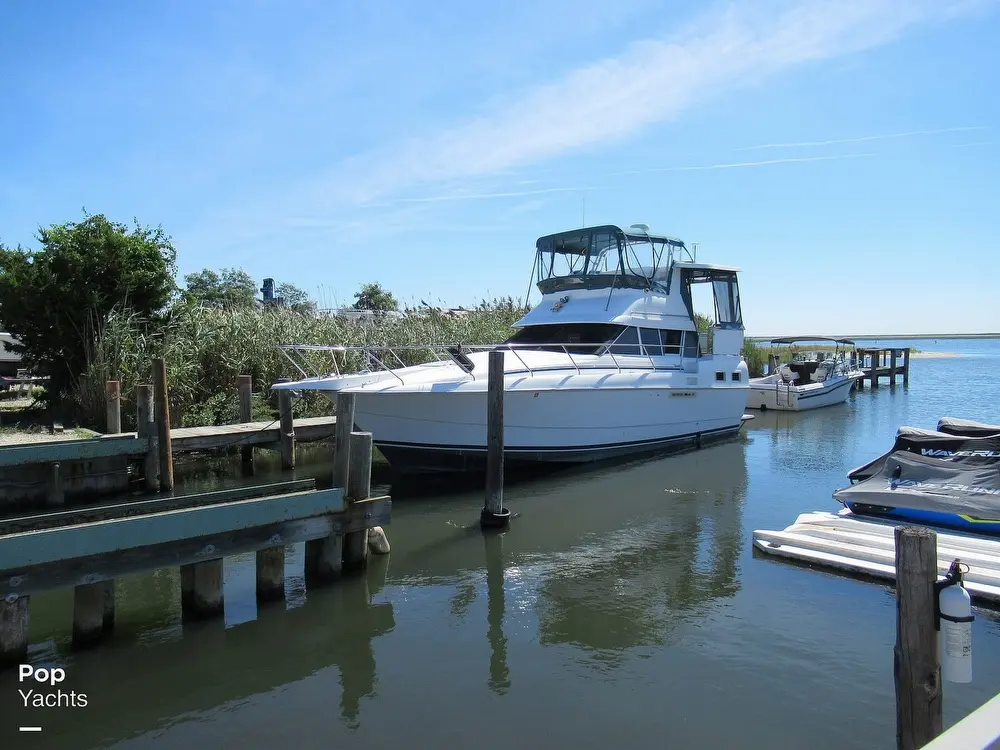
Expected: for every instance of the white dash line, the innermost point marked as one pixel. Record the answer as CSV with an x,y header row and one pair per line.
x,y
29,729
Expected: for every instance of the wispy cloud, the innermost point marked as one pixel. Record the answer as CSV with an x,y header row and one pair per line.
x,y
746,164
864,138
651,81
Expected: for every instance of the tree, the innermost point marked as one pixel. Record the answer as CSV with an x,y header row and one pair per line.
x,y
373,297
56,300
295,298
234,287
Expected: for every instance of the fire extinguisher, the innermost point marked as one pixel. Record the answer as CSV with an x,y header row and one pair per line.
x,y
954,607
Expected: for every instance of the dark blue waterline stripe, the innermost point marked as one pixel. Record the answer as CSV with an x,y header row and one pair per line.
x,y
550,449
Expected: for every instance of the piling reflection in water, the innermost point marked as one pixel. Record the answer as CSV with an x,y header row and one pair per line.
x,y
499,681
133,691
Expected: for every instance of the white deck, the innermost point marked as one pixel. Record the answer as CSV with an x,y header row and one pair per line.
x,y
845,542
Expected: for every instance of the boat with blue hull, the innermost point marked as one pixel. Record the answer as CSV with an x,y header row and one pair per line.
x,y
948,477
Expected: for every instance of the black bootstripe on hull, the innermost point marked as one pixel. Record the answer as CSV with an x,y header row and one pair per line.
x,y
422,458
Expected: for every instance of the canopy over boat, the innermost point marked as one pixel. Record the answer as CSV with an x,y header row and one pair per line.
x,y
932,471
801,339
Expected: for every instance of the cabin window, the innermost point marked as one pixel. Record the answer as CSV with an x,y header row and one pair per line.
x,y
691,344
736,376
579,338
651,341
671,341
720,376
627,342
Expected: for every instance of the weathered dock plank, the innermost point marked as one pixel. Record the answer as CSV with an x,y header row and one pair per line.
x,y
130,507
357,517
30,548
249,433
58,451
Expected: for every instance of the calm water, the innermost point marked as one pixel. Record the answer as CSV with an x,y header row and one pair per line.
x,y
624,605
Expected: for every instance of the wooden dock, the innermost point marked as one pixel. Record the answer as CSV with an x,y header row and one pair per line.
x,y
884,363
89,547
53,470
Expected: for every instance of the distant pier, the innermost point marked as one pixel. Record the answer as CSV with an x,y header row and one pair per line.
x,y
883,363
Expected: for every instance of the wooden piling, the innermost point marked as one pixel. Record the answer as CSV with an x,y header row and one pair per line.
x,y
271,574
359,487
113,397
146,428
161,397
88,614
906,366
494,515
201,589
916,666
324,558
287,423
892,367
13,630
245,385
55,495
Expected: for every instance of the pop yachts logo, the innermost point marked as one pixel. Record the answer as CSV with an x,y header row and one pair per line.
x,y
940,453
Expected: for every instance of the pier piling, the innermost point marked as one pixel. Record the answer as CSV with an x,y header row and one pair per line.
x,y
494,515
88,614
146,428
13,630
113,397
359,487
162,418
245,385
324,558
916,666
201,589
287,424
271,574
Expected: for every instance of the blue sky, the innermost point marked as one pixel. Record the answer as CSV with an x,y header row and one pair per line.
x,y
845,155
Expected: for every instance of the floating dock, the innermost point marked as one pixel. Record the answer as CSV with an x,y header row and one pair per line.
x,y
854,544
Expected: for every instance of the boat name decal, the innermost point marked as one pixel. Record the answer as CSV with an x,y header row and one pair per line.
x,y
939,453
682,393
947,486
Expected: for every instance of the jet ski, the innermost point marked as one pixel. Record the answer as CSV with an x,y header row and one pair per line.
x,y
948,477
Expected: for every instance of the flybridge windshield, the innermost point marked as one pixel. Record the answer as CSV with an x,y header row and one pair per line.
x,y
596,257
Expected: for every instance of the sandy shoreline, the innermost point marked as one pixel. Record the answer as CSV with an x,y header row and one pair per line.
x,y
934,355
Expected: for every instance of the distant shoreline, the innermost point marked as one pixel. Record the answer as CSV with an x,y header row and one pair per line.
x,y
892,337
935,355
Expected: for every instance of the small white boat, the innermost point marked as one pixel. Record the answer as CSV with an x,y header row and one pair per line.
x,y
809,381
609,363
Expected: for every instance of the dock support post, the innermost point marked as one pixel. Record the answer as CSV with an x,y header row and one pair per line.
x,y
55,494
88,614
324,558
146,428
916,667
359,487
494,515
13,630
906,366
287,425
201,589
245,384
162,412
892,368
113,396
271,574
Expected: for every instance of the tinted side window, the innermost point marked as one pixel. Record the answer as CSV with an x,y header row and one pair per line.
x,y
671,341
627,343
651,341
691,344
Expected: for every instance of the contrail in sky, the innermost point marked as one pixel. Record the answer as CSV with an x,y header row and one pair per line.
x,y
860,139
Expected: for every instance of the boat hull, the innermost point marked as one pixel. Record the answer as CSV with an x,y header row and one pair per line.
x,y
441,431
770,394
957,521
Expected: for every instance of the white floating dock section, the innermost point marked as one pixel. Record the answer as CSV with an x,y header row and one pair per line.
x,y
855,544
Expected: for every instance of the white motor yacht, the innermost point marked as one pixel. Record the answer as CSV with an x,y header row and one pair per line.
x,y
608,363
811,379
